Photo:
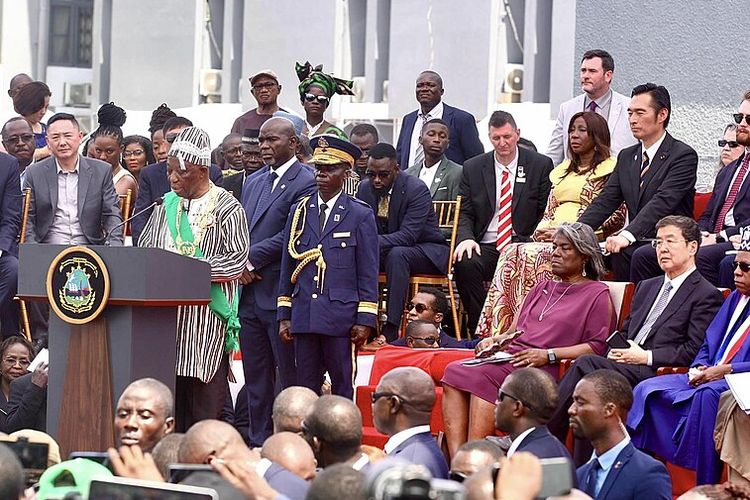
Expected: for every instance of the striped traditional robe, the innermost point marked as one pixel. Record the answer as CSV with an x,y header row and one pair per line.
x,y
225,246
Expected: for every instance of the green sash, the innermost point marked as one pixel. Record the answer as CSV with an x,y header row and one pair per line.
x,y
219,304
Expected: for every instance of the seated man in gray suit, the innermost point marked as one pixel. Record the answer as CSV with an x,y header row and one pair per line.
x,y
441,175
73,199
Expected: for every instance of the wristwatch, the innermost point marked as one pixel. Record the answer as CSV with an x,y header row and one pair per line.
x,y
551,356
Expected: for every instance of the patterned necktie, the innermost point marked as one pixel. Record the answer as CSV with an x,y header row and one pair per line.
x,y
265,194
661,304
644,166
732,195
592,106
419,153
591,478
384,204
505,225
322,218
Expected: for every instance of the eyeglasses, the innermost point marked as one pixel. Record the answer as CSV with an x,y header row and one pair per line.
x,y
267,85
744,266
19,138
669,243
457,476
739,116
128,154
419,307
320,98
380,175
171,137
426,340
12,361
731,144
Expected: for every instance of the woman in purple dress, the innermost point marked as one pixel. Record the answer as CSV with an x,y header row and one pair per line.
x,y
562,318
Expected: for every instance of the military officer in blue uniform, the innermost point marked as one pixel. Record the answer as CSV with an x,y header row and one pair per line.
x,y
328,287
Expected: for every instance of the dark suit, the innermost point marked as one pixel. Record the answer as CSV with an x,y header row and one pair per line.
x,y
464,137
674,339
633,476
668,189
645,265
153,183
233,183
286,483
446,182
98,209
237,414
10,222
423,449
27,406
411,242
478,206
542,444
262,349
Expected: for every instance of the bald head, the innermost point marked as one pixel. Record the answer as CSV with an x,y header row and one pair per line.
x,y
292,452
212,439
291,407
158,390
17,82
278,141
279,125
144,414
334,429
411,384
167,451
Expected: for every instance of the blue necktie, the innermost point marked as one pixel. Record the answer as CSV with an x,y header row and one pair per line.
x,y
591,478
265,194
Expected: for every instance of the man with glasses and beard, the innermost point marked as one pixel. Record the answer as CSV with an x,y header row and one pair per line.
x,y
265,88
409,239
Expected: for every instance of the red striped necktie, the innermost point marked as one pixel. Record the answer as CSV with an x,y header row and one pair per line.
x,y
732,195
505,225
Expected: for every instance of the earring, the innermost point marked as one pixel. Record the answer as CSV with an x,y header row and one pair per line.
x,y
583,273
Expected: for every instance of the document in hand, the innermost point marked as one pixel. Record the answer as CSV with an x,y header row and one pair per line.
x,y
739,384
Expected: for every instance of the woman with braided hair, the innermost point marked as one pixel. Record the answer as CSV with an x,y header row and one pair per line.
x,y
108,146
315,91
158,118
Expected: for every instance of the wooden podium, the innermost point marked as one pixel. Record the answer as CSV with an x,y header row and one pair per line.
x,y
133,337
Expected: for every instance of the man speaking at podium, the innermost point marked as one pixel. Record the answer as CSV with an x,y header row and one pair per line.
x,y
202,221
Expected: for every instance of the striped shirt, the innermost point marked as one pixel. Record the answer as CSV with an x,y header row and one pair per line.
x,y
225,246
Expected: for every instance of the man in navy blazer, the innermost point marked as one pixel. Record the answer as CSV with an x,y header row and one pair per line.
x,y
617,470
401,408
10,222
267,197
464,136
409,238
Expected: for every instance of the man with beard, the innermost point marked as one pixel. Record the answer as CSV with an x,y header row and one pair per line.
x,y
727,211
328,289
409,239
265,88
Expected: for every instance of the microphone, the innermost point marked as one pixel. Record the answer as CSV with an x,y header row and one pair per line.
x,y
156,202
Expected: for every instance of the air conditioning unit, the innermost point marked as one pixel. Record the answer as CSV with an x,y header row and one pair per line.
x,y
359,88
77,95
512,83
210,83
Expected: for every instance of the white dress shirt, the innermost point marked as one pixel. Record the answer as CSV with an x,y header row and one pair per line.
x,y
427,174
330,204
397,439
491,235
281,170
436,112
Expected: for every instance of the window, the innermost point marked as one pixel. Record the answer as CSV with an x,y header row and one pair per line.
x,y
70,33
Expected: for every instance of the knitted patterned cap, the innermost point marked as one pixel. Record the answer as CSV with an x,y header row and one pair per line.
x,y
192,145
745,243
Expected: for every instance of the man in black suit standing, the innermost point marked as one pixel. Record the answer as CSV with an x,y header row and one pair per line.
x,y
504,196
409,238
654,178
10,222
666,326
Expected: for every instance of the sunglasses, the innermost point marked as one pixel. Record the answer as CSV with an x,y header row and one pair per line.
x,y
739,116
419,307
320,98
457,476
426,340
744,266
501,395
379,175
731,144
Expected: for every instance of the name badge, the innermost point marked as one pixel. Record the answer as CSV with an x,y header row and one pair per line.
x,y
342,235
521,179
520,174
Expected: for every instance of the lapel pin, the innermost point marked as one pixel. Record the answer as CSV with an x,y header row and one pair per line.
x,y
436,180
341,207
336,217
635,157
663,157
283,186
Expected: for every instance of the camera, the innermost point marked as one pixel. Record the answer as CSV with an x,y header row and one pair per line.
x,y
395,479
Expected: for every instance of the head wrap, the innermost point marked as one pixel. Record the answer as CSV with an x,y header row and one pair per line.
x,y
314,76
193,145
745,243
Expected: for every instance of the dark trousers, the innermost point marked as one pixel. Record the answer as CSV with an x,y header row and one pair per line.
x,y
726,272
195,400
317,354
262,352
558,424
470,277
399,263
645,264
620,263
9,313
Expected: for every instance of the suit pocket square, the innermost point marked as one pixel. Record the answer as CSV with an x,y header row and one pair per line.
x,y
443,188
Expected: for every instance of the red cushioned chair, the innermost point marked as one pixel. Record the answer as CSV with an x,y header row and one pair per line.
x,y
699,204
431,361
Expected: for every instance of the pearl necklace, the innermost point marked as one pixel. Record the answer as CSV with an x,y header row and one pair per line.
x,y
547,308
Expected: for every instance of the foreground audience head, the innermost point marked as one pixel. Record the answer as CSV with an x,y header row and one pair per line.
x,y
188,162
724,491
364,136
18,140
504,135
403,399
428,304
278,141
422,334
576,253
382,167
16,354
742,265
527,398
212,439
677,241
649,110
167,452
64,137
11,474
597,68
333,429
601,402
338,482
291,452
473,456
291,407
144,414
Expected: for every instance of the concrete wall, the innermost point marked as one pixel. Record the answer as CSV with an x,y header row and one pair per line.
x,y
696,49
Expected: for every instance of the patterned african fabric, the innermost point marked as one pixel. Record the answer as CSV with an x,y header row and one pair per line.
x,y
221,221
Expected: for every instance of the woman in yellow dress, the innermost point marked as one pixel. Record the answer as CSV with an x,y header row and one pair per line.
x,y
576,182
